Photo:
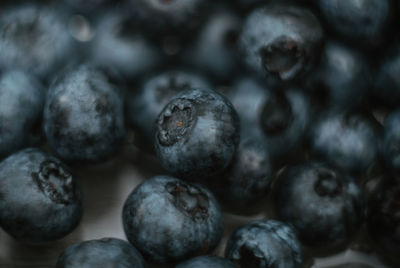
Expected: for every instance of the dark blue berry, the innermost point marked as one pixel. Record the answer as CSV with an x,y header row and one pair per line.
x,y
119,44
214,50
264,244
170,220
34,38
281,40
362,22
197,134
105,252
206,261
341,79
83,115
348,141
21,107
322,204
40,198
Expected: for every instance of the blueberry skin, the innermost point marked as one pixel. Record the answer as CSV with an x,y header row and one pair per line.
x,y
342,78
41,200
383,222
153,95
197,134
363,22
166,16
391,142
167,219
349,141
34,38
105,252
267,243
214,50
248,178
281,41
205,262
279,117
119,44
83,115
324,205
21,106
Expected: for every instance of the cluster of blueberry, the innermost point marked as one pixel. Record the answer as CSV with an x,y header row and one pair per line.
x,y
291,103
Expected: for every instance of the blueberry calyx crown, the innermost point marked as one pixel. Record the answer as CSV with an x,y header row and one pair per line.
x,y
277,114
55,181
247,258
283,57
327,183
190,199
175,121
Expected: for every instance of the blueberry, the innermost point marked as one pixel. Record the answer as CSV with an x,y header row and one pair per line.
x,y
105,252
342,78
40,198
281,40
391,142
348,141
324,205
206,261
83,115
21,106
197,134
33,38
119,44
383,221
214,50
267,243
249,176
170,220
362,22
153,95
166,16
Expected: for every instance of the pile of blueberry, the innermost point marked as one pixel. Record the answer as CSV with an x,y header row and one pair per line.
x,y
248,105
